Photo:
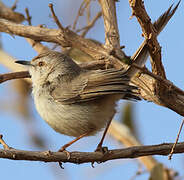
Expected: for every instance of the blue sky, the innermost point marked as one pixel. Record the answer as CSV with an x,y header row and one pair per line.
x,y
155,124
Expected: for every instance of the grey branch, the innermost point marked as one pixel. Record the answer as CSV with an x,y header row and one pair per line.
x,y
86,157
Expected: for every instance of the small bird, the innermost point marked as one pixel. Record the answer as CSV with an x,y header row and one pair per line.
x,y
78,102
74,101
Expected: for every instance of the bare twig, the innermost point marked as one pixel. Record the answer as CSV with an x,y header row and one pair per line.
x,y
90,25
55,17
177,138
28,18
150,34
9,14
5,146
85,157
35,44
88,12
14,6
81,10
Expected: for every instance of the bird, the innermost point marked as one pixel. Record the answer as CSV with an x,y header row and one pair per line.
x,y
75,101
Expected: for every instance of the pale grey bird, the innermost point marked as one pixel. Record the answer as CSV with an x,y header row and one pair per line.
x,y
78,102
74,101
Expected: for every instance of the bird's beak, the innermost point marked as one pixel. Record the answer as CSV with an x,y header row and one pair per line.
x,y
27,63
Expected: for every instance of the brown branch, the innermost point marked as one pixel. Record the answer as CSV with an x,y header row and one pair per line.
x,y
141,54
158,78
112,39
150,34
170,97
160,93
66,38
5,146
85,157
81,10
14,75
35,44
9,14
177,138
14,6
55,17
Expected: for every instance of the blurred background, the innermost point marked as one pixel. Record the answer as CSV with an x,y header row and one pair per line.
x,y
23,128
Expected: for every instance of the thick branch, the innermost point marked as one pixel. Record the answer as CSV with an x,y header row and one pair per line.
x,y
167,96
85,157
66,38
112,39
156,91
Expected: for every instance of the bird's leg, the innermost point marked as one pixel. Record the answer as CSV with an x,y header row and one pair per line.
x,y
99,147
63,148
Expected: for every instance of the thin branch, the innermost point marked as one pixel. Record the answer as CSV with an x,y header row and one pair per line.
x,y
55,17
9,14
177,138
90,25
14,6
86,157
28,17
150,34
81,10
35,44
14,75
5,146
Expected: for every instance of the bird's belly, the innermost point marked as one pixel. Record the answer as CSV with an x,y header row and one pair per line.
x,y
79,118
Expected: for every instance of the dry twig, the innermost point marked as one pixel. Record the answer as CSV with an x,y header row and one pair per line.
x,y
90,25
177,138
81,10
35,44
5,146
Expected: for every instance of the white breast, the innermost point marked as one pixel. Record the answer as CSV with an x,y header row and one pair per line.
x,y
75,119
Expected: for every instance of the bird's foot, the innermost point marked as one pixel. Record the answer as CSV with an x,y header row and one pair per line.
x,y
101,149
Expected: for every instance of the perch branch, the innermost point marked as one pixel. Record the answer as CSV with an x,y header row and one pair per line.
x,y
85,157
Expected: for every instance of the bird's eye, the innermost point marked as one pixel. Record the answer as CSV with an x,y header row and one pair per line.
x,y
41,63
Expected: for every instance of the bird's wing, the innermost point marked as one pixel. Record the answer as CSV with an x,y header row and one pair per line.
x,y
91,85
